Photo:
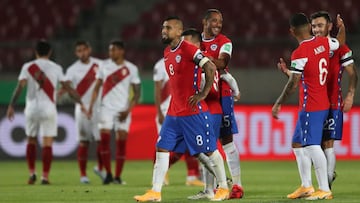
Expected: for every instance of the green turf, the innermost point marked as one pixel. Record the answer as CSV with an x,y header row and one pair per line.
x,y
263,182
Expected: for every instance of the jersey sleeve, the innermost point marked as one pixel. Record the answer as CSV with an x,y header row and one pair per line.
x,y
61,75
333,44
24,74
159,70
135,79
298,62
346,57
69,74
226,48
100,73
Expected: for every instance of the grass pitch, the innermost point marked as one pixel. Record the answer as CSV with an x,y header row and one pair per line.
x,y
268,181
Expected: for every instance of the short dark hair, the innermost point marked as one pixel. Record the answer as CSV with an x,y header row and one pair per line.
x,y
118,43
174,17
82,42
323,14
298,20
210,11
42,47
193,32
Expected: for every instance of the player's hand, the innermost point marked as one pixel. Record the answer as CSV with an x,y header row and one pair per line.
x,y
83,109
89,113
237,97
348,102
10,113
281,65
275,111
194,99
123,115
61,92
161,118
339,21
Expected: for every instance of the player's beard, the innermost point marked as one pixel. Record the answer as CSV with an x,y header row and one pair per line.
x,y
166,40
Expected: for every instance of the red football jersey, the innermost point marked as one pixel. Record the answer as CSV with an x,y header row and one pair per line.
x,y
214,47
338,60
184,76
311,59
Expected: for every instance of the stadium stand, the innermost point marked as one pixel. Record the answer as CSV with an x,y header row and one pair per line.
x,y
258,28
245,20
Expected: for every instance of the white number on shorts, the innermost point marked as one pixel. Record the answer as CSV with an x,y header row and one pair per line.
x,y
323,71
199,140
226,121
329,124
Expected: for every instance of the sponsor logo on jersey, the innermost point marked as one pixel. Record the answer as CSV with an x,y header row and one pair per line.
x,y
213,47
178,58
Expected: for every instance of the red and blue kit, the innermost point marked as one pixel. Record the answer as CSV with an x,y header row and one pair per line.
x,y
214,47
311,60
185,126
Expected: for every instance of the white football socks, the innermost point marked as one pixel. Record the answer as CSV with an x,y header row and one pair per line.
x,y
331,162
304,166
233,161
160,168
219,169
319,161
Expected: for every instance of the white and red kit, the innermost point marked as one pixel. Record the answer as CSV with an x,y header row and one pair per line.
x,y
42,76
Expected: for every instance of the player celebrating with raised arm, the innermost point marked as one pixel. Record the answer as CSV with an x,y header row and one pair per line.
x,y
187,125
41,76
219,48
309,70
340,60
81,75
116,76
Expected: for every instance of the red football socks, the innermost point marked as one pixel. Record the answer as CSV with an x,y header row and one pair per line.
x,y
105,151
120,157
46,160
82,159
31,157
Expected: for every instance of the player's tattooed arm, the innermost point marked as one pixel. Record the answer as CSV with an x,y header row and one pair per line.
x,y
209,70
19,87
289,89
353,79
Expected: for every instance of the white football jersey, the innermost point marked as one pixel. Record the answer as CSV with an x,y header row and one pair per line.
x,y
116,81
83,77
42,77
161,75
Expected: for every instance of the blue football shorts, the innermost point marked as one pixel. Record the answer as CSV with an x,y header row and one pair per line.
x,y
309,127
194,133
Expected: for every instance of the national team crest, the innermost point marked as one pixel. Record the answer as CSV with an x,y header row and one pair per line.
x,y
178,58
213,47
331,54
